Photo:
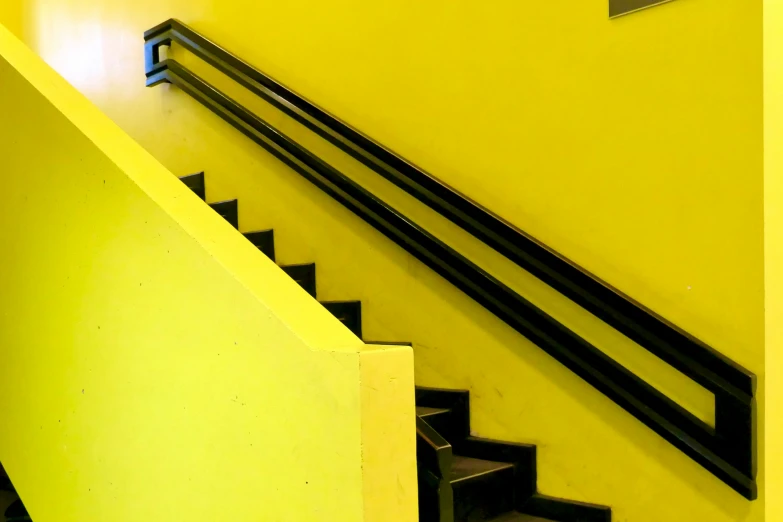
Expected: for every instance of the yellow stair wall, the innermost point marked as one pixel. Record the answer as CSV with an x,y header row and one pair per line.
x,y
773,248
633,146
12,16
154,364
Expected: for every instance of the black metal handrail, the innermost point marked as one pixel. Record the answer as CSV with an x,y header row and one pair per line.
x,y
726,450
706,366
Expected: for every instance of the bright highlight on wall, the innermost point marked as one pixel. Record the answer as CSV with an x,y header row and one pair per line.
x,y
76,62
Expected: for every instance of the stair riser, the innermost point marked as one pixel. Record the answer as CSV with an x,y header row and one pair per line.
x,y
455,425
304,275
483,498
229,210
522,455
349,313
448,424
264,241
195,182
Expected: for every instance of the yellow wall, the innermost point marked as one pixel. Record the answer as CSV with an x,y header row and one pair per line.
x,y
543,115
155,365
633,146
11,15
773,245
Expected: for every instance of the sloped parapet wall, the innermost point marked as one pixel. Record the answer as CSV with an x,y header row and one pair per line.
x,y
154,365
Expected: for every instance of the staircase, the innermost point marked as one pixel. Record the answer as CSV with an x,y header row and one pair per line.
x,y
477,479
461,478
348,312
725,448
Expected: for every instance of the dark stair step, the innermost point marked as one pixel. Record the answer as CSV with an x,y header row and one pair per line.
x,y
566,510
483,489
453,424
5,482
466,469
441,419
16,512
519,517
302,274
426,412
347,312
229,210
264,241
491,481
195,182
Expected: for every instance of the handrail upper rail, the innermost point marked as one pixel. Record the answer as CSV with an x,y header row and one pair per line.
x,y
727,450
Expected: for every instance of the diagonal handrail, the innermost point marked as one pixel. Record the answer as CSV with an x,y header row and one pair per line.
x,y
706,366
727,450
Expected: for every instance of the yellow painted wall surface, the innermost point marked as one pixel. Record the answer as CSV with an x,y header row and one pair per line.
x,y
11,16
155,365
633,146
773,245
540,113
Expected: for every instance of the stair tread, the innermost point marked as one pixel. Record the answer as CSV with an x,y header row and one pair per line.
x,y
466,468
519,517
426,411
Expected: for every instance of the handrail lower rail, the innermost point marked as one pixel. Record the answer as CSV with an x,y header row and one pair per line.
x,y
727,450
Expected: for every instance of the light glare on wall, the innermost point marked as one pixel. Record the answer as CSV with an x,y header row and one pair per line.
x,y
81,61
